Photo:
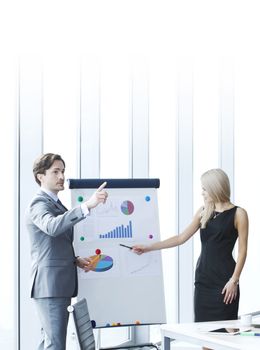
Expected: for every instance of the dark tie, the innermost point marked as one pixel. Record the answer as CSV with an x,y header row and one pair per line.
x,y
59,202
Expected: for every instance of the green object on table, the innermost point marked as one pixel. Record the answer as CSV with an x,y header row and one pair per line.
x,y
254,334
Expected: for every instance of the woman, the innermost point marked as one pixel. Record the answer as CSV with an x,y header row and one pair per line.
x,y
217,274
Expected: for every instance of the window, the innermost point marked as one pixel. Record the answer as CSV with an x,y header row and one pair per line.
x,y
9,210
205,128
247,144
61,108
162,150
114,115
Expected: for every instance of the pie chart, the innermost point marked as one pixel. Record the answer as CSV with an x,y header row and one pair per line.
x,y
127,207
101,263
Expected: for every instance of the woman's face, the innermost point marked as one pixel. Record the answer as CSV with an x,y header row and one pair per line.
x,y
205,195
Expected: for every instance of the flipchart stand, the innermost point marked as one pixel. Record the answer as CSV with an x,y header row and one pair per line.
x,y
84,329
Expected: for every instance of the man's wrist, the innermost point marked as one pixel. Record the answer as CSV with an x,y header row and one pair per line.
x,y
85,209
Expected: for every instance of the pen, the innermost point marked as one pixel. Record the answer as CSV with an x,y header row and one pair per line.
x,y
254,334
126,246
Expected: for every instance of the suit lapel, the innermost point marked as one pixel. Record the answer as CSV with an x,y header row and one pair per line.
x,y
50,199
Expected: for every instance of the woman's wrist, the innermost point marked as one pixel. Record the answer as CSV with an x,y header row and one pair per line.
x,y
233,280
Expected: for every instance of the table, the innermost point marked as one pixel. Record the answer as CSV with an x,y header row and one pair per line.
x,y
196,333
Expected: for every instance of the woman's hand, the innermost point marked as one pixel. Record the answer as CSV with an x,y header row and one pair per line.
x,y
230,291
140,249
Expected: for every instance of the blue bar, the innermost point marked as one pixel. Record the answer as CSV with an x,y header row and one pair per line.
x,y
122,226
128,231
130,225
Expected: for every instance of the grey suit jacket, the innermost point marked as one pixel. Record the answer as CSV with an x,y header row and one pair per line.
x,y
50,226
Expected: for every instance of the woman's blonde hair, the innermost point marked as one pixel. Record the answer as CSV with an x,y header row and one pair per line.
x,y
216,183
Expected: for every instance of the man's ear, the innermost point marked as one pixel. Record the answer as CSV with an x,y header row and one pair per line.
x,y
39,177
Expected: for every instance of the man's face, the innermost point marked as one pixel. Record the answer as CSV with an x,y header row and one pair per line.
x,y
53,179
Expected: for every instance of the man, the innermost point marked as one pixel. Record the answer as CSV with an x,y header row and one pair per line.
x,y
54,265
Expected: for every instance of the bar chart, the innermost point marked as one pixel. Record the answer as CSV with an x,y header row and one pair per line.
x,y
122,231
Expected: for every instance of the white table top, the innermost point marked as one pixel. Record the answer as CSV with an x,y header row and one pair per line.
x,y
196,333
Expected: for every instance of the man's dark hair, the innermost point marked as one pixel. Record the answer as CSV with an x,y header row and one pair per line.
x,y
43,163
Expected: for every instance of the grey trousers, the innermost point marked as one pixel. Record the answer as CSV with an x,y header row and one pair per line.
x,y
54,317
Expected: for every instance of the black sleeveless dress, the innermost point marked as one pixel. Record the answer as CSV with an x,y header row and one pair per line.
x,y
214,268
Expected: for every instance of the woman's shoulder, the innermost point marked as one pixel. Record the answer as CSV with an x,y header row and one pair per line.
x,y
240,210
199,212
241,213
